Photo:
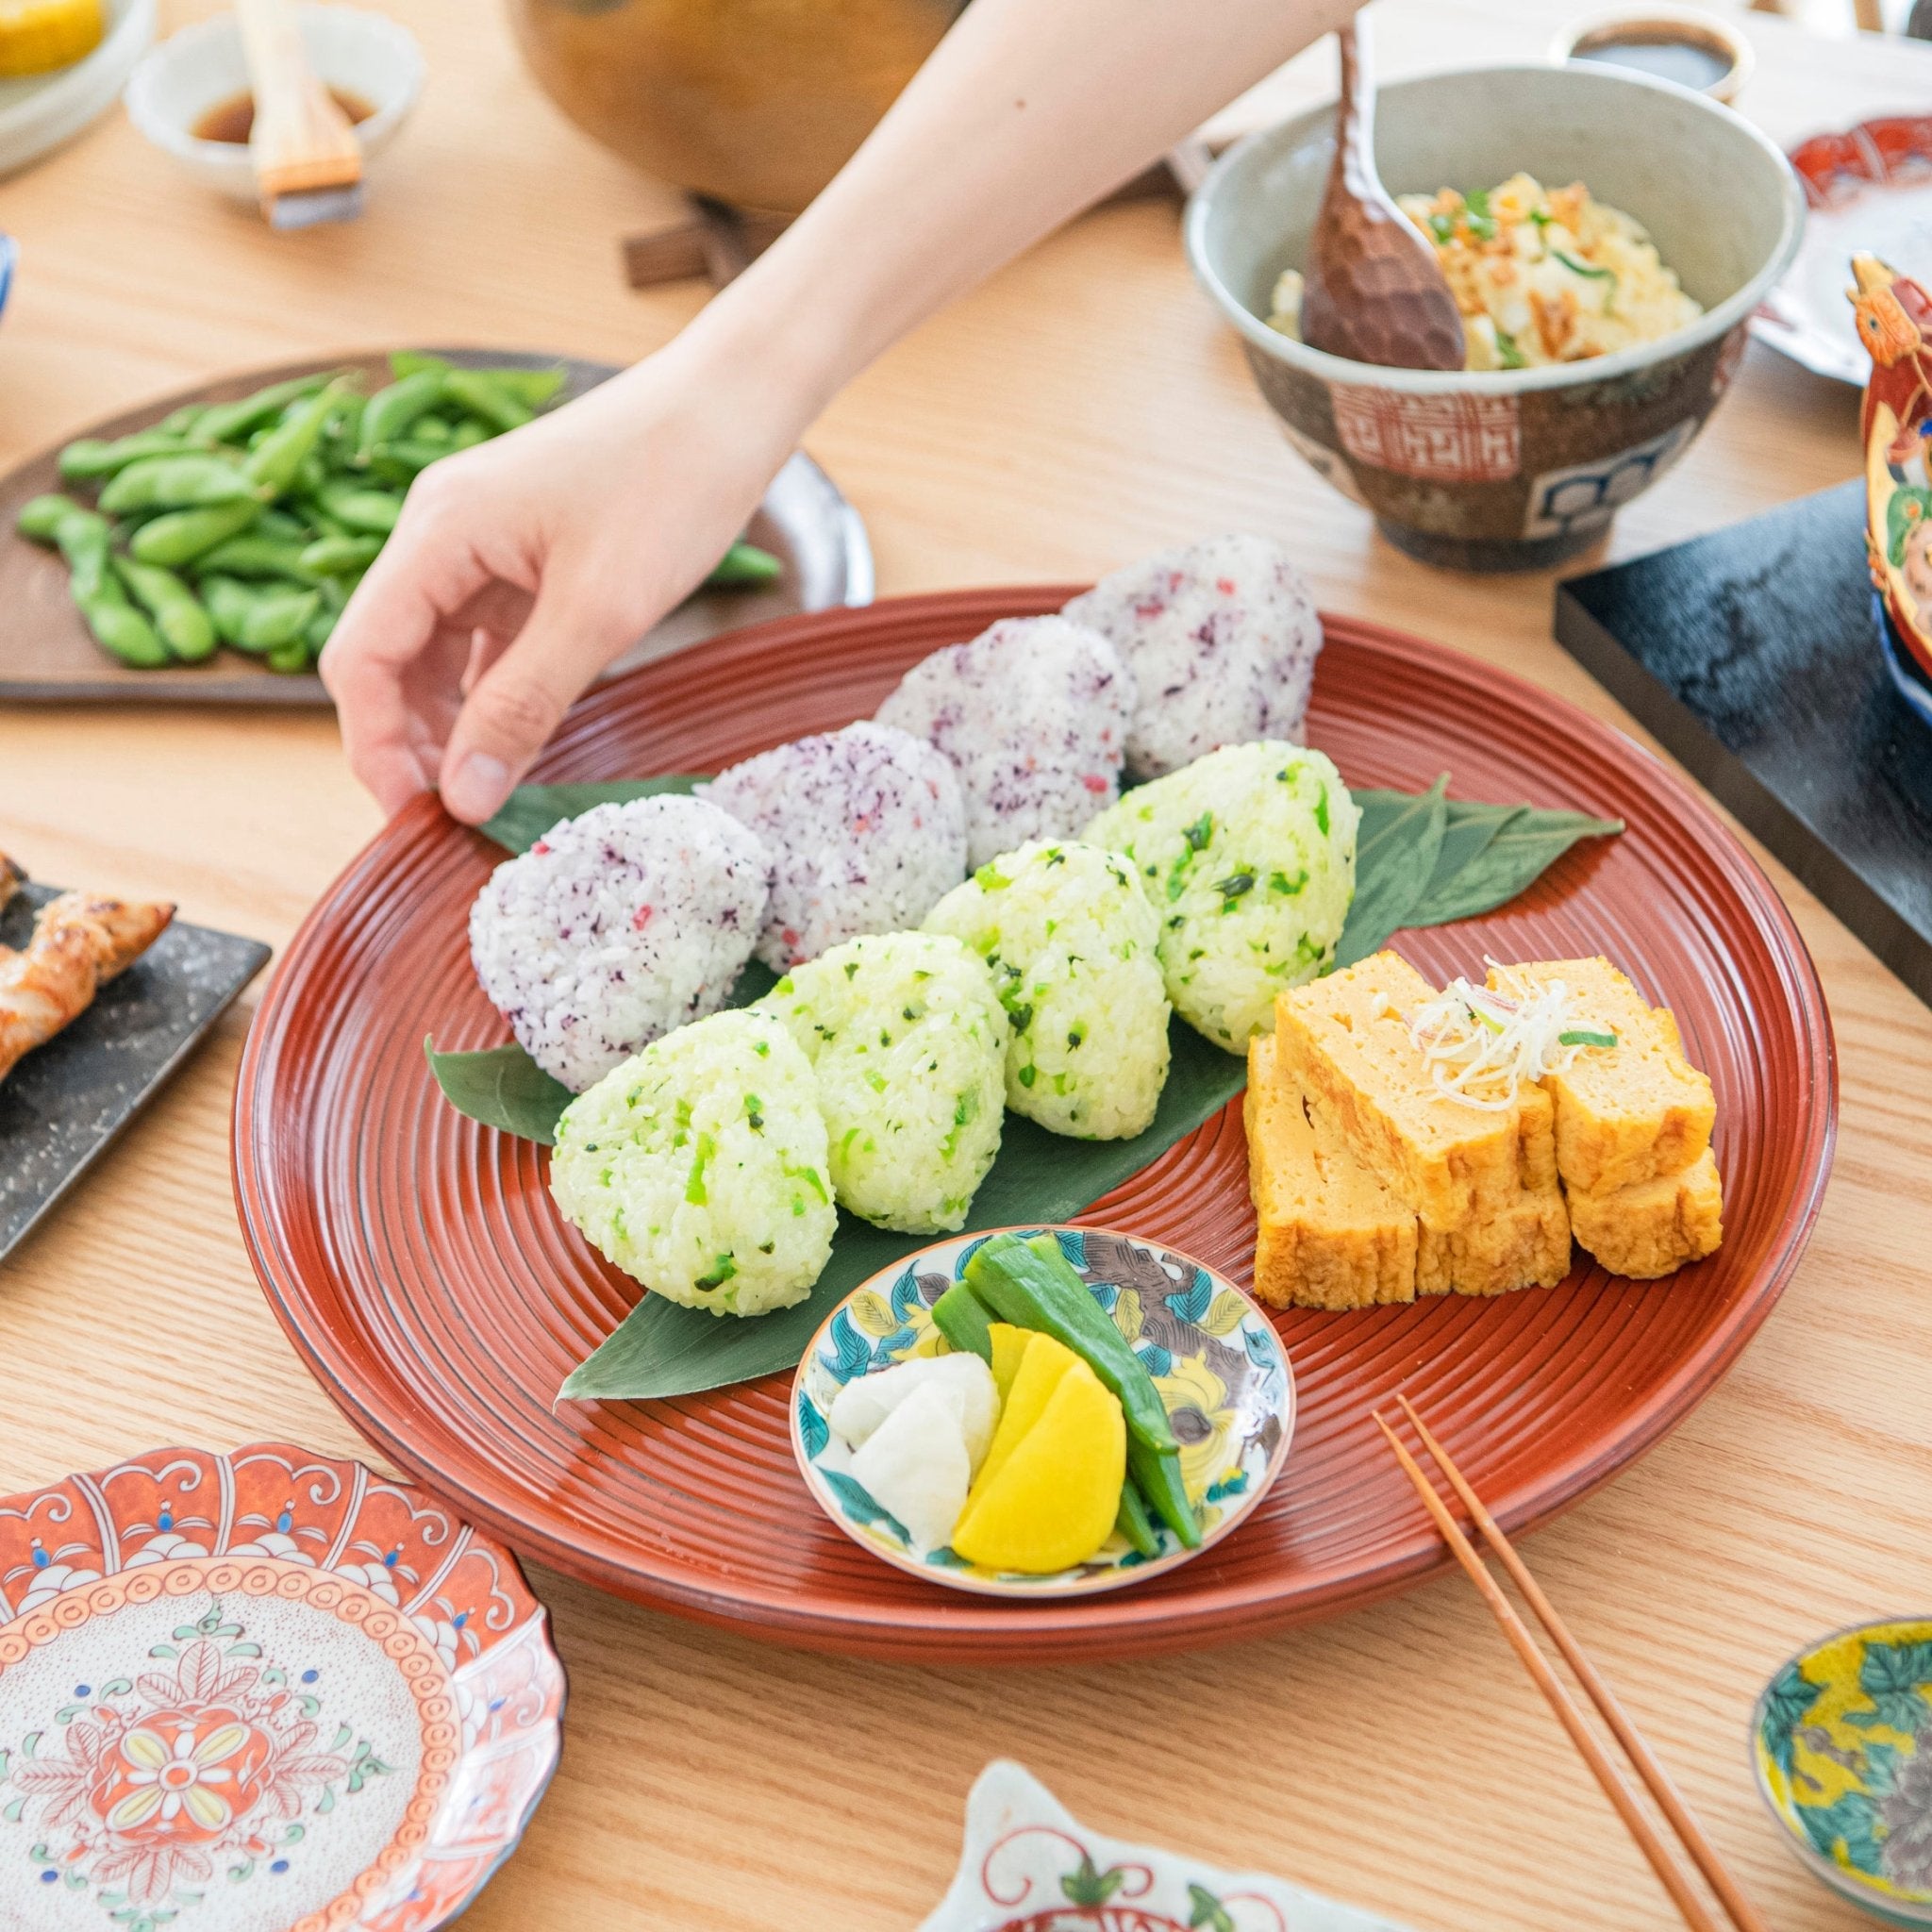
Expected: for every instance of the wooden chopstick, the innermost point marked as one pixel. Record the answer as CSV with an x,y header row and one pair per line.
x,y
1743,1913
1640,1827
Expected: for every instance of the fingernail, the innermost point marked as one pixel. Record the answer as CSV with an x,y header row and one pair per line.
x,y
479,785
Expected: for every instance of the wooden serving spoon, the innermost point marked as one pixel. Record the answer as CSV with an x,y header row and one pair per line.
x,y
1373,289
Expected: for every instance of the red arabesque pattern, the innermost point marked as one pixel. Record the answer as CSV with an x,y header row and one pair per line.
x,y
417,1263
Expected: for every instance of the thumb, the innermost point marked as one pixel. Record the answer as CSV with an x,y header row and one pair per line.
x,y
515,706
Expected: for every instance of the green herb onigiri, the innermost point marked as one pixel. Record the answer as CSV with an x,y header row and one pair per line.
x,y
1069,937
699,1166
906,1039
1248,856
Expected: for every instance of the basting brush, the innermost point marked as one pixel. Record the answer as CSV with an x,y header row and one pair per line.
x,y
308,161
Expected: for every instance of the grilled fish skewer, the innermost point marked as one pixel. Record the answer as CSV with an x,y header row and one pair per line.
x,y
80,941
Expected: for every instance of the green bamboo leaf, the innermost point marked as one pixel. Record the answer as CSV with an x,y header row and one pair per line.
x,y
502,1087
1395,851
1513,858
660,1349
530,810
1470,830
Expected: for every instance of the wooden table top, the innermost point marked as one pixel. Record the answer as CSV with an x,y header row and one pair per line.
x,y
1084,407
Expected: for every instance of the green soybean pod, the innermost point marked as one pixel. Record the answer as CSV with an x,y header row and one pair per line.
x,y
289,659
470,432
118,627
414,362
256,555
181,421
401,464
278,461
329,556
360,507
475,392
230,422
40,517
174,482
392,411
182,535
89,459
276,522
278,618
228,602
321,628
437,431
533,387
185,627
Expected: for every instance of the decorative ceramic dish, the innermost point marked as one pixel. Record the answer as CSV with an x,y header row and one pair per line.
x,y
1028,1865
1509,469
260,1690
38,112
421,1267
1685,44
1867,189
1214,1355
363,55
1842,1739
47,654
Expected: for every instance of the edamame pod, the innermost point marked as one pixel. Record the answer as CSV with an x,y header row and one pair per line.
x,y
278,619
401,464
182,535
231,422
40,517
744,566
174,482
481,397
330,556
256,555
533,387
289,659
284,454
434,430
360,507
392,411
118,627
89,459
469,433
185,627
414,362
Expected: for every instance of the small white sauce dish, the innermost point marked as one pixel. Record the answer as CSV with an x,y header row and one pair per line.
x,y
354,51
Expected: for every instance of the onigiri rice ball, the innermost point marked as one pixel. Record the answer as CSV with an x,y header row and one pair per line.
x,y
617,925
1248,857
1072,942
1222,639
700,1167
1033,714
866,830
907,1043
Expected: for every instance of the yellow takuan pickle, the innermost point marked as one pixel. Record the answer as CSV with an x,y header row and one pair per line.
x,y
40,35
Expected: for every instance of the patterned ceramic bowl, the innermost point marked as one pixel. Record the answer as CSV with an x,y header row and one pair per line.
x,y
265,1691
1842,1739
1509,469
1214,1356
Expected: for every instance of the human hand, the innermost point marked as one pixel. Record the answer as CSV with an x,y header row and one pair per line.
x,y
521,568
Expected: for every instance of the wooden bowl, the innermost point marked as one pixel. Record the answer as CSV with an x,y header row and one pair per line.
x,y
757,102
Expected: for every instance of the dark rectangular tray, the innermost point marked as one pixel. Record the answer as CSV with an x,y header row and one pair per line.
x,y
63,1104
1754,655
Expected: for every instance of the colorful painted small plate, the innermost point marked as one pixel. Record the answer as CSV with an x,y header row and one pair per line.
x,y
1841,1738
1868,189
1214,1356
265,1691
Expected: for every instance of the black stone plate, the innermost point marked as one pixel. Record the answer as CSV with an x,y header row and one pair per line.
x,y
1754,655
65,1101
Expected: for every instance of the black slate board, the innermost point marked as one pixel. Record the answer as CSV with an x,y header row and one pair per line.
x,y
1754,655
67,1100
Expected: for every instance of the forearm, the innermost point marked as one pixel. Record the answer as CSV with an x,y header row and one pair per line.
x,y
1028,111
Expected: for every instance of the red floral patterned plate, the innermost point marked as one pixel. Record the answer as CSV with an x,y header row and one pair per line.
x,y
1868,189
265,1691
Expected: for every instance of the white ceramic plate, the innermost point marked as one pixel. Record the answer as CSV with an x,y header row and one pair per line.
x,y
41,110
1214,1356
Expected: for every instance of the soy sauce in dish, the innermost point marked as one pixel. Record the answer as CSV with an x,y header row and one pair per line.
x,y
1694,64
233,119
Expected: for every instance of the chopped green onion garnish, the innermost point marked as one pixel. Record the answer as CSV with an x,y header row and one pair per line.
x,y
1512,356
1583,268
1586,1035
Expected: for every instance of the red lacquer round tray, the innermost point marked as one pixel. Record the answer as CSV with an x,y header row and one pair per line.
x,y
417,1263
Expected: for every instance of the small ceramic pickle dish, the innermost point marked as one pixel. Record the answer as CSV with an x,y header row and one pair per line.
x,y
1215,1359
265,1691
1841,1738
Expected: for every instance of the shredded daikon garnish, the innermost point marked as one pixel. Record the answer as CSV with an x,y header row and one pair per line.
x,y
1482,1043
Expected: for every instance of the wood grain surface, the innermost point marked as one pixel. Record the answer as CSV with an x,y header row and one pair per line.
x,y
1083,408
